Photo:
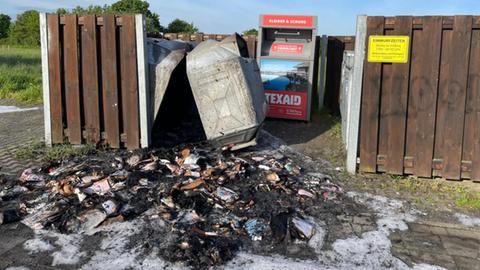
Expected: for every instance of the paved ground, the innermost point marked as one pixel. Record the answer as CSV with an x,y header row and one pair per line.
x,y
448,245
18,129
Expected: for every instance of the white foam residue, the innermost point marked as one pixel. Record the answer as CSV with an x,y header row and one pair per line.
x,y
371,250
153,262
69,252
246,261
38,244
467,220
390,212
113,253
9,109
18,268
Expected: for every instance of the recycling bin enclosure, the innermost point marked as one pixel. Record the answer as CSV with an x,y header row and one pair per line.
x,y
286,55
163,57
228,90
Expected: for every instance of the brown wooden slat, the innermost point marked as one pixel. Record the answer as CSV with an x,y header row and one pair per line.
x,y
410,149
171,36
54,65
129,82
72,84
184,37
423,94
211,36
109,81
370,104
442,103
196,37
251,44
471,144
90,80
398,99
387,76
456,87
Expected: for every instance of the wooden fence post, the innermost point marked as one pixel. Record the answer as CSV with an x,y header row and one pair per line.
x,y
45,79
145,112
322,71
356,94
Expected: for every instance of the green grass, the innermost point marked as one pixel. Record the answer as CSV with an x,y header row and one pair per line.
x,y
469,200
435,190
20,74
37,150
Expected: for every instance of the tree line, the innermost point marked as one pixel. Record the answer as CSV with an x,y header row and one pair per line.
x,y
25,29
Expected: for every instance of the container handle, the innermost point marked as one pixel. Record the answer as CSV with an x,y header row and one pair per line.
x,y
287,33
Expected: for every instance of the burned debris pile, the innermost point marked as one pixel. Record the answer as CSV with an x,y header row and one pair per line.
x,y
213,202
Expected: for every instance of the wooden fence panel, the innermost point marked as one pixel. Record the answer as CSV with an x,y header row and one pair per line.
x,y
384,105
384,118
423,95
370,104
72,87
55,80
457,85
397,109
109,81
129,82
442,102
423,117
471,143
90,79
93,80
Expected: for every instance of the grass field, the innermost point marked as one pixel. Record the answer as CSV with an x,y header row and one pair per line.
x,y
20,75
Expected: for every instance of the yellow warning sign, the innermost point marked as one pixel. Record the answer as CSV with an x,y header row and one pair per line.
x,y
388,49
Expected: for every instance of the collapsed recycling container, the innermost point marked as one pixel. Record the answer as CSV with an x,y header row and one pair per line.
x,y
163,57
228,90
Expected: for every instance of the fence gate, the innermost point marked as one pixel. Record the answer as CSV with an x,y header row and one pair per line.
x,y
421,117
94,79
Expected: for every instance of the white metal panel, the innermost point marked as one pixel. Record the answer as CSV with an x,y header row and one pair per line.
x,y
142,69
45,79
356,94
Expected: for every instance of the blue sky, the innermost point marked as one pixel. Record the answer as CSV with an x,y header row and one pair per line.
x,y
336,17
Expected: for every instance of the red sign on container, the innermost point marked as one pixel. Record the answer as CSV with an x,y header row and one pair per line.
x,y
287,104
289,21
287,48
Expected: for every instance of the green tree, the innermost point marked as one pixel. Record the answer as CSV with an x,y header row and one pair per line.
x,y
249,32
4,25
139,6
25,30
61,11
181,26
90,10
